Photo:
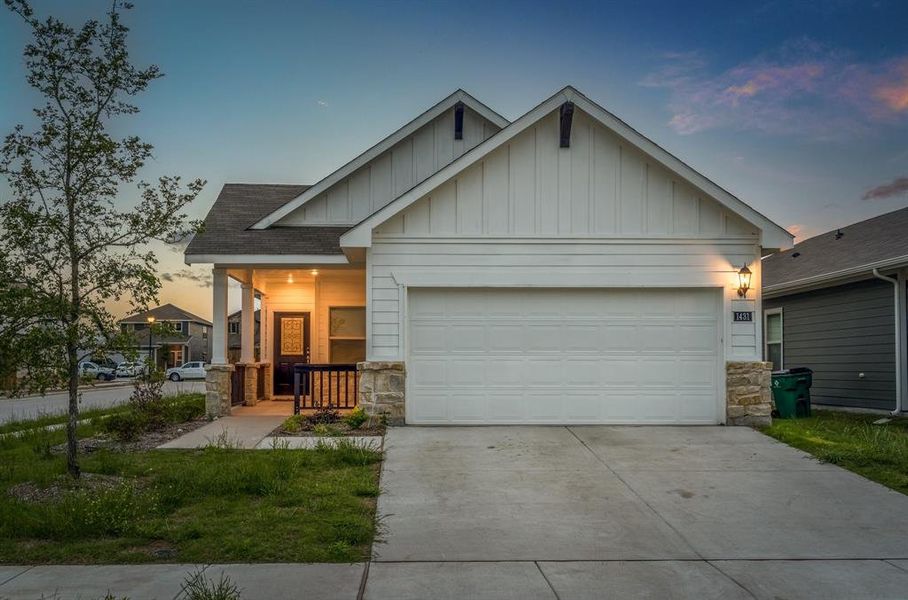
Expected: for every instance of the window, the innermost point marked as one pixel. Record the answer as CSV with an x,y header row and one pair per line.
x,y
772,332
346,334
178,326
233,327
138,326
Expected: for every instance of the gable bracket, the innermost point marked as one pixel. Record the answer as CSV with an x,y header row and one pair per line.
x,y
567,117
458,121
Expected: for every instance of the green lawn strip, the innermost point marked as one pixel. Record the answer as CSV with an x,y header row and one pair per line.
x,y
87,414
206,505
852,441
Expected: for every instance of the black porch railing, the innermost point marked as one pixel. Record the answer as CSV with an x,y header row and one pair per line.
x,y
324,386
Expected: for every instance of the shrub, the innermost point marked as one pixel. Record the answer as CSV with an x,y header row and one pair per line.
x,y
325,430
325,415
145,413
356,418
294,424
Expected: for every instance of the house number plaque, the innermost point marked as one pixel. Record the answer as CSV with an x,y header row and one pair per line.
x,y
743,316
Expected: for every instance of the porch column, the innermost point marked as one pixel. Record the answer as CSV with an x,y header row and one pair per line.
x,y
247,321
217,379
219,318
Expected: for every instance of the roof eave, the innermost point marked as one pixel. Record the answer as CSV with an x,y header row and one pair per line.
x,y
834,278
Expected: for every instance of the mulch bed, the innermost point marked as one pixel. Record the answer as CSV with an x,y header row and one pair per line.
x,y
338,429
147,441
64,484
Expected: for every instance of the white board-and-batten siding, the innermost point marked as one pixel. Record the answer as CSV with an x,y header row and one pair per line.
x,y
531,214
407,163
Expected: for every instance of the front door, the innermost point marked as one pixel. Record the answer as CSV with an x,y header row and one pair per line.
x,y
291,346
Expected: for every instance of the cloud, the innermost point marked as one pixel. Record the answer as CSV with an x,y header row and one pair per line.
x,y
896,187
322,103
796,229
801,88
201,279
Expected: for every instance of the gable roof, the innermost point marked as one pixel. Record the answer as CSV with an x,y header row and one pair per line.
x,y
773,235
875,243
239,205
268,219
165,312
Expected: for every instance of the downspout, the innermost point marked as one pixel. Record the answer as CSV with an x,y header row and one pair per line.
x,y
899,345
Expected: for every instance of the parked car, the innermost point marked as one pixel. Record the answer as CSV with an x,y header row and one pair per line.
x,y
88,368
130,369
190,370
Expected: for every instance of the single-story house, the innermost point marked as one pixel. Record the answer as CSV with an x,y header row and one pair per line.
x,y
234,345
836,303
560,268
185,338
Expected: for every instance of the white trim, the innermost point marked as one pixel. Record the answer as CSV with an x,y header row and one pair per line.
x,y
379,148
781,342
267,259
773,235
834,278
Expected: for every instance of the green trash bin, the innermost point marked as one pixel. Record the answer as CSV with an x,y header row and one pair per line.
x,y
791,392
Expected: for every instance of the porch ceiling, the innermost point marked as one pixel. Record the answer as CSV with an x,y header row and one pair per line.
x,y
272,279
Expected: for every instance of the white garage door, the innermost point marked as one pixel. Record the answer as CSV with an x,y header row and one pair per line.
x,y
562,356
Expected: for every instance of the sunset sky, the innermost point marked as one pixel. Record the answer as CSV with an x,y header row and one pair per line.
x,y
799,108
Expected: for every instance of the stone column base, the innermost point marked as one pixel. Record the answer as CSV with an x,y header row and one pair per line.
x,y
748,393
250,384
217,390
382,386
268,373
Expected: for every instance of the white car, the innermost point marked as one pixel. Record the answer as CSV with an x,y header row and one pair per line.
x,y
190,370
130,369
88,368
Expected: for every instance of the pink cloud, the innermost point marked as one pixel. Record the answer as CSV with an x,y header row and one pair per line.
x,y
897,186
803,88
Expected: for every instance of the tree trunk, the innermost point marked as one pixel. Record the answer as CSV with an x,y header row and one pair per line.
x,y
72,462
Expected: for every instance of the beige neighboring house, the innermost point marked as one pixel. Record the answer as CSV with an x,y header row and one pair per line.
x,y
188,338
558,268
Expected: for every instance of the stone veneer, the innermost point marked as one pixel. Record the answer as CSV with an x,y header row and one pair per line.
x,y
217,390
748,393
250,383
382,390
268,374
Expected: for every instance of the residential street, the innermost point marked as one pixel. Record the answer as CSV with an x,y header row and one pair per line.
x,y
102,396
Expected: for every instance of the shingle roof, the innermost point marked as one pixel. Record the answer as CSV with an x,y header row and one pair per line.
x,y
240,205
165,312
878,239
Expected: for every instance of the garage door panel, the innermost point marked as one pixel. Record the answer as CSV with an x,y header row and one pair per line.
x,y
465,338
428,372
563,356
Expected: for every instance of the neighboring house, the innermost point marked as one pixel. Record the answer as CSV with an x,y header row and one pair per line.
x,y
188,336
234,322
561,268
836,303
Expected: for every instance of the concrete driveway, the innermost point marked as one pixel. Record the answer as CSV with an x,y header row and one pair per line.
x,y
626,512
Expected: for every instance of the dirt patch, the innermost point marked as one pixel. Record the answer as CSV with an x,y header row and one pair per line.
x,y
63,485
147,441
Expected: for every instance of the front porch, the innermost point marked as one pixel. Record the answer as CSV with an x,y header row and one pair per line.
x,y
313,315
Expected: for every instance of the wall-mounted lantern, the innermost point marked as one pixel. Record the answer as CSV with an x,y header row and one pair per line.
x,y
744,281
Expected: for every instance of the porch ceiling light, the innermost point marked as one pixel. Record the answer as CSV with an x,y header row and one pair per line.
x,y
743,281
290,278
314,272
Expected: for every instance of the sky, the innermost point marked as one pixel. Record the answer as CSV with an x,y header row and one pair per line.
x,y
800,108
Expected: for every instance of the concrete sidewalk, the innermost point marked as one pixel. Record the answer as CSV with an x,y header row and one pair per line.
x,y
515,580
246,431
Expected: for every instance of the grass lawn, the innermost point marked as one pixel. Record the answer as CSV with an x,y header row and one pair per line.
x,y
852,441
210,505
